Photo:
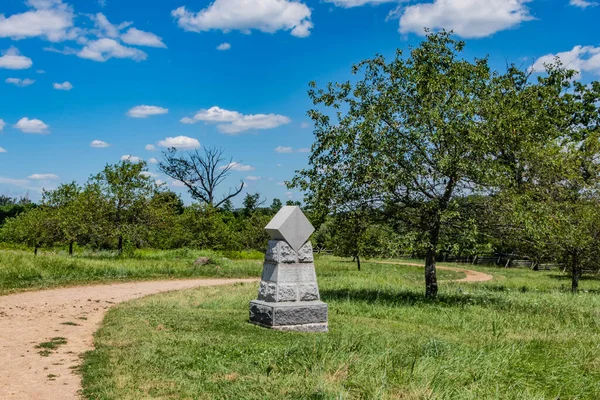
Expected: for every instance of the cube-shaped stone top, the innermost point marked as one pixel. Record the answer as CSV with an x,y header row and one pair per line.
x,y
290,224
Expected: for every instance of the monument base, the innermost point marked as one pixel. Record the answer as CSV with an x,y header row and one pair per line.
x,y
308,316
313,328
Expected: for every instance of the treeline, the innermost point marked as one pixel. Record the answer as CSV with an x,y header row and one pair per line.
x,y
122,208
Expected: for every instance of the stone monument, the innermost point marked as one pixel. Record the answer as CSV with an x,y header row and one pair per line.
x,y
288,297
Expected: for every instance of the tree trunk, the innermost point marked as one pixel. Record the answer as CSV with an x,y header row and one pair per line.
x,y
575,274
35,250
71,248
431,286
120,245
358,261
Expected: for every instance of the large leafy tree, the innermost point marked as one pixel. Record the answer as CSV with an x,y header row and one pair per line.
x,y
409,134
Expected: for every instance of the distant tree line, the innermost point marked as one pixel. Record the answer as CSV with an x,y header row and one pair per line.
x,y
122,208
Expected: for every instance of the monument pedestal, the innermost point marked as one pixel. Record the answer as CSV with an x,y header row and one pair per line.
x,y
288,297
306,316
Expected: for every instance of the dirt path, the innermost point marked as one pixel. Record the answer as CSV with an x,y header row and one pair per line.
x,y
28,319
472,276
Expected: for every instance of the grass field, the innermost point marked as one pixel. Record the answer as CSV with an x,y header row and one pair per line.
x,y
519,336
21,270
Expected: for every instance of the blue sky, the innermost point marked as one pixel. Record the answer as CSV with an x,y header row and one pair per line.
x,y
84,83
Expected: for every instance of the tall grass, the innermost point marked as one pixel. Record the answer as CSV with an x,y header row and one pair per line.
x,y
22,270
519,336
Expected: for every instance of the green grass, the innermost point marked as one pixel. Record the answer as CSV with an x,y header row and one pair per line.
x,y
20,270
519,336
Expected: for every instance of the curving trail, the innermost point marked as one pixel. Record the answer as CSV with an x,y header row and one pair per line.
x,y
472,276
28,319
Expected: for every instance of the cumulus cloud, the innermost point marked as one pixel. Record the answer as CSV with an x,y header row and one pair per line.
x,y
63,86
104,49
224,46
235,166
42,177
283,149
2,125
287,150
583,3
140,38
20,82
357,3
580,59
153,161
12,59
180,142
467,18
253,178
27,125
177,184
3,150
131,159
233,122
51,20
99,144
144,111
150,147
245,15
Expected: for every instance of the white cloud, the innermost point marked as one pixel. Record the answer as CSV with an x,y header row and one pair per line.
x,y
140,38
235,166
467,18
99,144
42,177
280,183
3,150
104,49
580,59
104,28
224,46
12,59
2,124
144,111
244,15
583,3
150,147
233,122
131,159
15,182
51,20
160,182
27,125
283,149
63,86
287,150
177,184
357,3
20,82
253,178
153,161
180,142
149,174
304,125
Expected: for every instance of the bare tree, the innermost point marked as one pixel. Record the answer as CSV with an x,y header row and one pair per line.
x,y
200,173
